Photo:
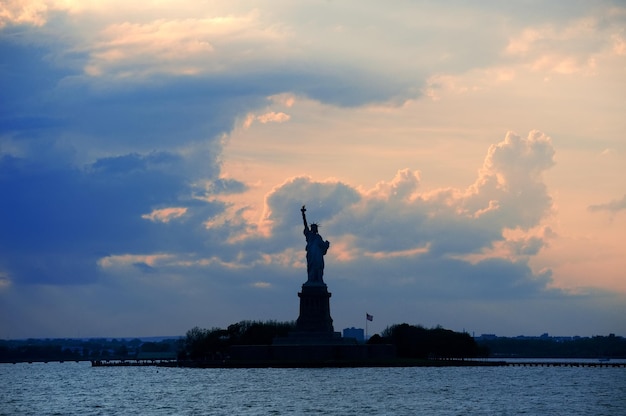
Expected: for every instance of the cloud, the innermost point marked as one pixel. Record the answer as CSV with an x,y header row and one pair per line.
x,y
238,48
509,193
190,46
569,47
273,117
614,206
511,178
81,122
57,223
270,117
165,214
324,200
16,12
430,239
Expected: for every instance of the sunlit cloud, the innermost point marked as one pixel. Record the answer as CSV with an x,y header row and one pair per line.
x,y
516,245
271,117
575,47
141,46
400,253
23,12
285,99
165,214
619,44
402,187
192,46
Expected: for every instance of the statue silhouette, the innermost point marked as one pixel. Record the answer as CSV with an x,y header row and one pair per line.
x,y
316,248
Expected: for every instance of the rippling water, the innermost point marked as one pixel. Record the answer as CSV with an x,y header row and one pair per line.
x,y
79,389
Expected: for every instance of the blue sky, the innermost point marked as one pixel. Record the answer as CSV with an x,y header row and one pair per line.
x,y
467,164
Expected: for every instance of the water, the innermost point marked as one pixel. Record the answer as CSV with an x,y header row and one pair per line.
x,y
79,389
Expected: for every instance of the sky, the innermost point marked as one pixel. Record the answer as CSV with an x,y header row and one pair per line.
x,y
466,161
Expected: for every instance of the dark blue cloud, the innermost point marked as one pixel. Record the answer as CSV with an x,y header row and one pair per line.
x,y
147,117
323,200
426,277
27,73
497,278
55,220
613,207
135,162
144,267
350,86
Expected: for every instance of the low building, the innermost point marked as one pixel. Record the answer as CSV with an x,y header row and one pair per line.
x,y
356,333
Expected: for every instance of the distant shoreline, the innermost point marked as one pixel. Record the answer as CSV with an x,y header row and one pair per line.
x,y
389,363
396,362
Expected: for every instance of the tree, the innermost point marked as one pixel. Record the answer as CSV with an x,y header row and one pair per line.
x,y
203,344
418,342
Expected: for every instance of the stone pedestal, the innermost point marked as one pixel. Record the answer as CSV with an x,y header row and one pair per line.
x,y
315,310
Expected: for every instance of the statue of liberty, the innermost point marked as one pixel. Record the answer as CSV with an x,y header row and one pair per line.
x,y
316,248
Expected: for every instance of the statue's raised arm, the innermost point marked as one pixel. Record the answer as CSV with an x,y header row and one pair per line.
x,y
303,210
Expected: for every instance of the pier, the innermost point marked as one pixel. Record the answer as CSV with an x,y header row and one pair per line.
x,y
133,363
142,359
598,364
229,363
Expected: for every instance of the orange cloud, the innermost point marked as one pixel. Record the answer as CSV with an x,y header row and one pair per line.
x,y
165,214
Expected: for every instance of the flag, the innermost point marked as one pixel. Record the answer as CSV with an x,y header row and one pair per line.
x,y
369,317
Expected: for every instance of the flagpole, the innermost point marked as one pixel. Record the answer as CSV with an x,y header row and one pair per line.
x,y
366,327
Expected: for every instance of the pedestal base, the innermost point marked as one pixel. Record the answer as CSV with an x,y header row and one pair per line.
x,y
313,338
315,310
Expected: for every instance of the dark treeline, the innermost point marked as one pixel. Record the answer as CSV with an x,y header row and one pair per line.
x,y
410,342
59,349
215,343
594,347
436,343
